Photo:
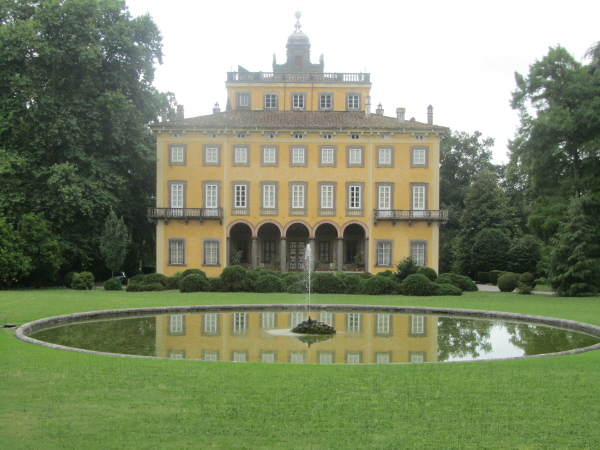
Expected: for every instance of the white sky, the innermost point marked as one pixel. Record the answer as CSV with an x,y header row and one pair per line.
x,y
459,56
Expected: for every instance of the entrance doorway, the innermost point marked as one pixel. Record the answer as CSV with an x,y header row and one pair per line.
x,y
297,251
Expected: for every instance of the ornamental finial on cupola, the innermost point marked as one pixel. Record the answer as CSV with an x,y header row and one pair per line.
x,y
298,14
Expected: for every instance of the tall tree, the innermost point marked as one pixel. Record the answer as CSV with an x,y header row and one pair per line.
x,y
13,262
114,242
76,96
43,248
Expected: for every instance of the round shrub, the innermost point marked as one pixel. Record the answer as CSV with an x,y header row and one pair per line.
x,y
152,278
194,282
139,278
172,282
252,276
386,273
112,285
507,282
460,281
269,284
299,287
352,284
68,279
418,284
235,279
448,289
215,284
187,272
147,287
263,272
528,278
524,288
378,285
83,281
326,283
428,272
290,278
365,275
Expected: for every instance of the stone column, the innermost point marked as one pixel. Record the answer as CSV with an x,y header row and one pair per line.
x,y
254,253
366,254
282,254
340,254
227,251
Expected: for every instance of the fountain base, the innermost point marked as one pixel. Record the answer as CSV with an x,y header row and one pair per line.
x,y
310,326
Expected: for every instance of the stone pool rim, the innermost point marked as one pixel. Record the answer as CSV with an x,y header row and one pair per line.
x,y
26,329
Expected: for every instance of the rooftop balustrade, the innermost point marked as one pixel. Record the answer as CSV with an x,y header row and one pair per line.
x,y
271,77
409,215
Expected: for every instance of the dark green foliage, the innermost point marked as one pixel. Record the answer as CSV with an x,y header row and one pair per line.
x,y
252,275
365,275
68,279
187,272
418,284
352,283
460,281
378,285
507,282
573,261
152,278
311,326
524,254
263,272
114,242
428,272
235,279
524,288
494,274
527,278
483,277
194,282
406,267
112,285
139,278
83,281
490,250
448,289
299,287
269,283
215,284
13,262
290,278
387,273
326,283
172,283
146,287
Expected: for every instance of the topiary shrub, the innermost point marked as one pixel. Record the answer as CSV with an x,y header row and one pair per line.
x,y
235,279
112,285
483,277
172,282
428,272
352,284
326,283
494,275
146,287
460,281
68,279
137,278
418,284
194,282
83,281
365,275
290,278
386,273
448,289
215,284
524,288
187,272
406,267
507,282
252,275
152,278
299,287
528,279
263,272
269,284
378,285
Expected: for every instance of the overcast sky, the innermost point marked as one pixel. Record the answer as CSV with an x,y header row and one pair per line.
x,y
459,56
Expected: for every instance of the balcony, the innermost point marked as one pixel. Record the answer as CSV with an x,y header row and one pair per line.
x,y
270,77
410,215
185,213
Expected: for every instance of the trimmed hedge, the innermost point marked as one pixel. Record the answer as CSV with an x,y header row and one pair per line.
x,y
142,287
326,283
494,275
508,282
83,281
448,289
483,277
460,281
187,272
379,285
428,272
235,279
352,284
194,282
528,278
418,284
299,287
112,285
269,284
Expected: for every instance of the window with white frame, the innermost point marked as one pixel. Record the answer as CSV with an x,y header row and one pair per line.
x,y
298,156
177,155
385,157
326,317
176,324
240,155
267,357
211,155
244,100
418,252
326,196
419,157
239,357
355,156
325,102
269,196
298,196
353,322
269,156
240,196
417,324
210,356
296,318
211,323
383,358
417,358
298,101
418,198
384,253
176,355
176,252
211,253
267,320
353,101
354,197
325,357
211,196
297,357
270,101
177,195
327,157
239,323
353,358
384,198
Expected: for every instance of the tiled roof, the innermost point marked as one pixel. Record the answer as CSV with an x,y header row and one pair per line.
x,y
297,120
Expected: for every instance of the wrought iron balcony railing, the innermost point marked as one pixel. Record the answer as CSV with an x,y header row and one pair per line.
x,y
185,214
270,77
410,215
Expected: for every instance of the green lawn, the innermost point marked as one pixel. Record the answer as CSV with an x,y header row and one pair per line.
x,y
57,399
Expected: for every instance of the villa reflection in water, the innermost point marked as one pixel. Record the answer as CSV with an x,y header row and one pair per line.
x,y
361,338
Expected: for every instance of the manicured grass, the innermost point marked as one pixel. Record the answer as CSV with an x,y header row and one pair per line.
x,y
57,399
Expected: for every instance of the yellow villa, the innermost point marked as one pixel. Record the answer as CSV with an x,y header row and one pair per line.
x,y
298,158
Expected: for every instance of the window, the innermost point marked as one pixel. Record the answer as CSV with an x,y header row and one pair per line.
x,y
211,252
354,197
210,356
419,157
355,136
212,155
296,318
240,196
354,157
383,324
326,136
269,156
298,136
241,135
384,253
417,324
383,357
240,357
384,157
243,100
418,252
210,323
353,101
239,323
177,155
324,251
268,320
325,102
353,357
325,357
240,156
269,251
298,157
417,357
297,196
326,317
384,197
327,196
327,157
297,199
419,197
353,322
176,252
268,357
269,196
270,101
298,101
297,357
177,197
177,324
211,199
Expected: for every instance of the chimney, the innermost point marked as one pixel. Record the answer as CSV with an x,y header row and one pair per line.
x,y
163,114
430,115
368,106
216,108
400,112
379,110
180,114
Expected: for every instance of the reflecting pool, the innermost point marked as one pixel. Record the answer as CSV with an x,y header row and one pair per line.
x,y
381,337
